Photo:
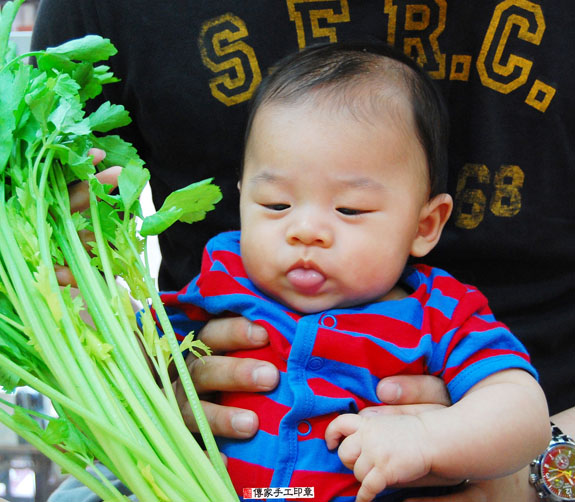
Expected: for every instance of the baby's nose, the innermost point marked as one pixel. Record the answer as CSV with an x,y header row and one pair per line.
x,y
310,232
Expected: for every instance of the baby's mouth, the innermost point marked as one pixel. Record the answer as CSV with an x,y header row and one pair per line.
x,y
306,280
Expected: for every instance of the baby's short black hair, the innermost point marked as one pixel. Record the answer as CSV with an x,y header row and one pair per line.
x,y
344,67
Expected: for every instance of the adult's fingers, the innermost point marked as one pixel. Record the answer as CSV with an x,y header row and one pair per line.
x,y
217,373
233,333
65,277
413,389
222,373
230,374
97,154
79,193
225,421
110,175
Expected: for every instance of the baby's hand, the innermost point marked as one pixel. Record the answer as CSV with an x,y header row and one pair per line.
x,y
382,450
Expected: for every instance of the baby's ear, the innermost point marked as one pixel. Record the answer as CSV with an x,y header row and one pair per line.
x,y
432,219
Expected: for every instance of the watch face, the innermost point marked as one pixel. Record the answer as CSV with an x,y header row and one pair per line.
x,y
558,471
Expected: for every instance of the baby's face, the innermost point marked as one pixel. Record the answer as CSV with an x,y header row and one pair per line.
x,y
330,205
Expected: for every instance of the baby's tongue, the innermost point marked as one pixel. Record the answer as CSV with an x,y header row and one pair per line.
x,y
306,279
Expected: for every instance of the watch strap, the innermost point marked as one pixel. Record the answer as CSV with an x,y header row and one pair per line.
x,y
558,435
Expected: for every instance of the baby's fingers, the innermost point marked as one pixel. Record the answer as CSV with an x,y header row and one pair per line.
x,y
349,452
372,484
340,427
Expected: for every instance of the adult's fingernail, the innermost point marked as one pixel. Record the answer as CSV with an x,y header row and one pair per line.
x,y
265,377
243,423
257,334
389,392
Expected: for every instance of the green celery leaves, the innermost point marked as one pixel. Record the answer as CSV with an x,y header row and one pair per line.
x,y
188,204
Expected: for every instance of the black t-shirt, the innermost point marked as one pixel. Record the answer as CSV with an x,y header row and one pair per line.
x,y
188,69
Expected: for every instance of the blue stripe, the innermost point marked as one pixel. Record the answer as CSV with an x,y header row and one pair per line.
x,y
262,449
354,379
282,394
484,368
496,338
445,304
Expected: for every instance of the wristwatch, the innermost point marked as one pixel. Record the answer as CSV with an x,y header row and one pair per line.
x,y
553,472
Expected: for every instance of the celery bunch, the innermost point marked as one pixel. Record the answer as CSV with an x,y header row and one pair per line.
x,y
110,410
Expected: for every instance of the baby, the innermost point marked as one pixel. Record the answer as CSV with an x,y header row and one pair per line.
x,y
342,185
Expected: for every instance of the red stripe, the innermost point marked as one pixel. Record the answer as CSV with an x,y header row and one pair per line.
x,y
263,354
206,262
279,342
318,427
216,283
451,287
321,387
259,477
231,261
269,412
362,352
384,328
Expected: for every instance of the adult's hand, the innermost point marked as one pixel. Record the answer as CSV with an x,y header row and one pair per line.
x,y
216,373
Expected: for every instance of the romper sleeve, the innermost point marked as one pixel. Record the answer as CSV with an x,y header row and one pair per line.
x,y
474,345
207,295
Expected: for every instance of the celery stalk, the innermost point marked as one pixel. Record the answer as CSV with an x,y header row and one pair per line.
x,y
110,410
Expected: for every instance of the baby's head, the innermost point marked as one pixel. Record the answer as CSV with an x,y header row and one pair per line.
x,y
343,177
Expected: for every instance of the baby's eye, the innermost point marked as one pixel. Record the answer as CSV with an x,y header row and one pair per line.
x,y
277,207
351,212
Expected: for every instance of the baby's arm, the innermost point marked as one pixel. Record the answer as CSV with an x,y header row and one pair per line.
x,y
498,426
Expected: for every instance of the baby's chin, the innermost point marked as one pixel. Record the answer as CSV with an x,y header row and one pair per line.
x,y
308,305
316,305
